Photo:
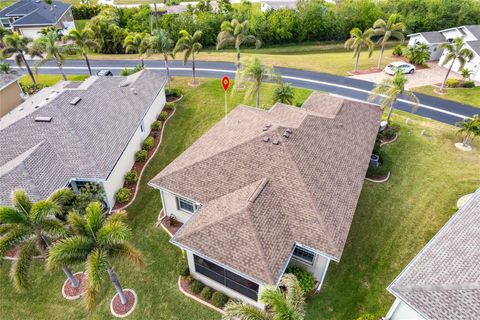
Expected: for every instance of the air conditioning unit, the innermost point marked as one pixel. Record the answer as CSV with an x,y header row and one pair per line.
x,y
375,160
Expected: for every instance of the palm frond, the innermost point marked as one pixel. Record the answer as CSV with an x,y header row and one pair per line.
x,y
77,223
21,201
68,251
42,209
96,269
121,216
11,215
17,234
113,232
94,216
19,273
236,310
294,292
128,253
53,228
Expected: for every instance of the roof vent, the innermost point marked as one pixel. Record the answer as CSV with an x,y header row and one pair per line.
x,y
43,119
289,131
134,91
265,128
75,101
268,125
275,142
266,139
286,134
41,104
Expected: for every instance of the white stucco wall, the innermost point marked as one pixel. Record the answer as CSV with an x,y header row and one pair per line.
x,y
30,32
401,311
319,267
435,52
473,65
116,178
170,207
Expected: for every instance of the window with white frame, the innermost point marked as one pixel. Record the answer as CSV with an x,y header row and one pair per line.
x,y
142,127
185,205
304,255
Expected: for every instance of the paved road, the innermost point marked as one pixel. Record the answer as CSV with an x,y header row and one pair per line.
x,y
430,107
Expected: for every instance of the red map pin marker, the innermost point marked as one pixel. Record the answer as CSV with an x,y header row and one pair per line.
x,y
225,83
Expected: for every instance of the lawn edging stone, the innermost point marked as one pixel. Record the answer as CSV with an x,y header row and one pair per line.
x,y
81,287
132,308
379,180
189,295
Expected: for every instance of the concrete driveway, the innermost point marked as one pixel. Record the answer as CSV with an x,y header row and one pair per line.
x,y
432,75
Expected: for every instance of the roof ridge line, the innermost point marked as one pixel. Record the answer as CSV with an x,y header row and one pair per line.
x,y
435,287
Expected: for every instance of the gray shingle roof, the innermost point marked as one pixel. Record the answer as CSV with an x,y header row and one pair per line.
x,y
82,141
6,79
475,45
259,199
433,37
443,280
32,12
475,30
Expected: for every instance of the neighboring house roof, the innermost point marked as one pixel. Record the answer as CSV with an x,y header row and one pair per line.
x,y
82,141
475,45
282,4
34,12
176,9
260,199
443,280
431,37
7,79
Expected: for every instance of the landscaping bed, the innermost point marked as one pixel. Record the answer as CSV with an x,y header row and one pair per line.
x,y
214,299
171,225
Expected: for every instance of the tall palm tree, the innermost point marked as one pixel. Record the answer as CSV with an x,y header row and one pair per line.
x,y
389,90
15,44
3,33
190,45
254,72
99,242
84,40
359,40
161,43
470,128
455,51
135,43
287,303
32,227
48,48
386,30
284,93
236,33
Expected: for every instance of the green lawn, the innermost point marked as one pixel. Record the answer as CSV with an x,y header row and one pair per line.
x,y
5,3
393,221
51,79
469,96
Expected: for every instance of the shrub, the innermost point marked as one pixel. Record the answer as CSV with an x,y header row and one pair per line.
x,y
206,293
148,143
196,286
32,88
169,106
156,125
141,156
123,195
188,279
398,51
391,131
128,71
182,267
172,221
174,92
469,84
86,11
162,116
367,316
305,278
131,177
219,300
452,83
418,54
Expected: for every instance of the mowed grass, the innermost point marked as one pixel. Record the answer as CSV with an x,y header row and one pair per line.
x,y
394,220
156,284
6,3
50,79
470,96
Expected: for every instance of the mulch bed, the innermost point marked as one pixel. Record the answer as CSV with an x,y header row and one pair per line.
x,y
70,291
122,309
366,71
12,253
172,229
174,98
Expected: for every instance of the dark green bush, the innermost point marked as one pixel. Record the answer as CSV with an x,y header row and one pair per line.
x,y
141,156
128,71
219,300
206,293
32,88
174,92
398,50
156,125
469,84
86,11
452,83
123,195
163,116
148,143
182,267
305,278
131,177
169,106
391,131
196,286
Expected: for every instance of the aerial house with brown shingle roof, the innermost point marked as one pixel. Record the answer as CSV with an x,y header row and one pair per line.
x,y
269,188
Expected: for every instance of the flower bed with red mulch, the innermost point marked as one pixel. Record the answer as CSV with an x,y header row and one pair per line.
x,y
123,309
69,291
172,229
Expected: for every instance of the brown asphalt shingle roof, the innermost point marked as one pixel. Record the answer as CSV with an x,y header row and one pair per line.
x,y
259,199
443,281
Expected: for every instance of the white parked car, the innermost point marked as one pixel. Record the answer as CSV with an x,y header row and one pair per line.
x,y
404,67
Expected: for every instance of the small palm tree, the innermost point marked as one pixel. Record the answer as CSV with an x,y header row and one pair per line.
x,y
386,30
359,40
135,43
31,227
6,69
99,242
284,93
190,45
49,46
161,43
15,44
470,128
255,73
455,51
389,90
236,33
466,73
84,40
287,303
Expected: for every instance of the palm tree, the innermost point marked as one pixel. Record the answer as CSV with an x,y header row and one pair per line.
x,y
135,43
466,73
17,45
162,44
389,90
84,41
6,69
236,33
287,303
255,73
49,46
359,40
284,93
31,227
386,30
3,33
99,241
190,45
470,128
455,51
